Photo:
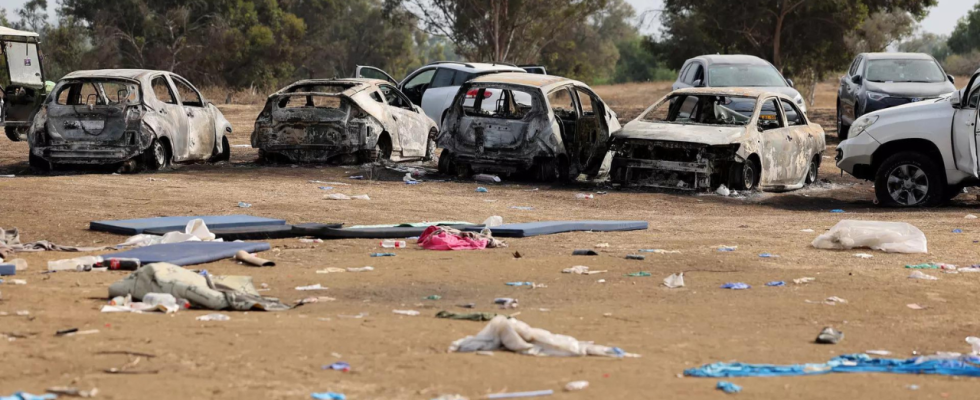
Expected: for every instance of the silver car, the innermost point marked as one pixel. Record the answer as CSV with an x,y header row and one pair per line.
x,y
140,119
548,126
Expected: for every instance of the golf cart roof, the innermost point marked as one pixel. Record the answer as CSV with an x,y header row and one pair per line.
x,y
14,35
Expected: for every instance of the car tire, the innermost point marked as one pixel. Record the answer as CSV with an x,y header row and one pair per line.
x,y
842,129
430,145
744,176
813,170
547,170
38,164
447,165
909,179
12,133
155,157
380,152
225,153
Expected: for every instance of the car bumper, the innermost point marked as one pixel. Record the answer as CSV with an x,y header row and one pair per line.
x,y
888,102
681,175
77,153
854,155
313,153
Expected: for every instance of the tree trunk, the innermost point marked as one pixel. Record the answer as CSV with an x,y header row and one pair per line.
x,y
776,59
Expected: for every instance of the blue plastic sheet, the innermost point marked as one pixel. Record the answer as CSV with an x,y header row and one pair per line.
x,y
328,396
776,283
735,286
848,363
28,396
728,387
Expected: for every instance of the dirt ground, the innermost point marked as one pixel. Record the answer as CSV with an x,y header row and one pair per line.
x,y
258,355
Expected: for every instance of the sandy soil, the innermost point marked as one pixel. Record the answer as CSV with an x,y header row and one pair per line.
x,y
260,355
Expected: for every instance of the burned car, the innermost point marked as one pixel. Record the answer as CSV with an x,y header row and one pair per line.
x,y
345,120
699,139
140,119
548,126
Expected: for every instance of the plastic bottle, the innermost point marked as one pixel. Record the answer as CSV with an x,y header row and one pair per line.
x,y
393,244
583,196
74,264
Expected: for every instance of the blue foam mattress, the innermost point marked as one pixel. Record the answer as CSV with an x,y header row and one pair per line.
x,y
551,227
188,253
137,226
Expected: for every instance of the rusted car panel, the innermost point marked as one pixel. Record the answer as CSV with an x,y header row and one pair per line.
x,y
521,131
346,120
113,116
699,139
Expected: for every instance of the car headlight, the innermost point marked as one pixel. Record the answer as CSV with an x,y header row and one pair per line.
x,y
800,103
876,96
862,125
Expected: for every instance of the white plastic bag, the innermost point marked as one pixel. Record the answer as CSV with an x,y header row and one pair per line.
x,y
890,237
674,280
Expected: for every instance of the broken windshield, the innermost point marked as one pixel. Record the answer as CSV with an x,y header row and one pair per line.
x,y
98,92
731,75
702,109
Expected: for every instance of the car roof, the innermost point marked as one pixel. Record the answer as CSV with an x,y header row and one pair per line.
x,y
732,91
136,74
525,79
731,59
898,56
475,67
357,84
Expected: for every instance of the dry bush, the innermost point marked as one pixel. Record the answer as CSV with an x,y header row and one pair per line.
x,y
962,64
221,95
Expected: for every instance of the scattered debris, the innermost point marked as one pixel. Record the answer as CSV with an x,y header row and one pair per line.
x,y
338,366
330,270
585,252
735,286
511,334
515,395
638,274
340,196
602,245
242,204
921,275
311,287
505,302
723,191
446,238
728,387
477,316
410,313
432,297
247,258
659,251
576,385
879,352
382,254
863,255
724,248
481,189
970,216
328,396
829,335
915,306
674,280
581,270
807,230
837,211
635,257
72,392
768,255
522,208
832,300
776,283
486,178
361,269
804,280
583,196
890,237
213,317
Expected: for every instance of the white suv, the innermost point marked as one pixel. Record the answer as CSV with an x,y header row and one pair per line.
x,y
433,86
918,154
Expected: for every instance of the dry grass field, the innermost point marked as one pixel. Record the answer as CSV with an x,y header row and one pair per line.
x,y
259,355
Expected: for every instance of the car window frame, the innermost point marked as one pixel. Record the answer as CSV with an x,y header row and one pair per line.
x,y
399,94
780,117
854,66
177,80
170,90
452,77
684,68
799,114
418,72
594,101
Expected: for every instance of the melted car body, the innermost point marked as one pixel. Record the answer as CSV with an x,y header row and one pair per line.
x,y
141,118
346,120
699,139
548,126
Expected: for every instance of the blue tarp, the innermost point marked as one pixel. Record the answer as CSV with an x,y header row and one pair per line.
x,y
848,363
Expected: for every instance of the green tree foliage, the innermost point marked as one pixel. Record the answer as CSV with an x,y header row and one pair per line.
x,y
879,30
966,35
589,51
929,43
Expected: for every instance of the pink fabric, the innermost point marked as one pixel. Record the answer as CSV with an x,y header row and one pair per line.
x,y
439,238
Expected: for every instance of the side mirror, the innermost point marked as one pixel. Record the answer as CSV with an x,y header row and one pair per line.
x,y
790,82
954,99
951,79
698,83
856,79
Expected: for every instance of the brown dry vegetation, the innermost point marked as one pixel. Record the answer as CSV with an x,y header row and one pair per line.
x,y
260,355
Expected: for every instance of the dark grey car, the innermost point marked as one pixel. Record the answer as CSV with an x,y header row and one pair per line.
x,y
735,70
876,81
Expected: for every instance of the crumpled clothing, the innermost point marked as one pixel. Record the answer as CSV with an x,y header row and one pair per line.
x,y
212,292
446,238
519,337
10,243
195,231
953,366
477,316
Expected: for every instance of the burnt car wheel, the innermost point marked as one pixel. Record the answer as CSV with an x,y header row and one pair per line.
x,y
155,156
814,170
446,163
12,133
38,164
744,176
430,146
909,179
381,151
225,153
546,170
841,127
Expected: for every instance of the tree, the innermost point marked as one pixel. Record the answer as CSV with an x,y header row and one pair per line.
x,y
929,43
33,17
880,30
499,30
966,35
589,51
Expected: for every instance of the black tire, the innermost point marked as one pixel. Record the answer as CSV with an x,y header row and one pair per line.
x,y
13,133
38,164
381,151
546,170
430,145
155,157
446,163
813,170
744,176
917,182
842,128
225,153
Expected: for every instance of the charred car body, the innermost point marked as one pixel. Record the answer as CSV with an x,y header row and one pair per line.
x,y
140,118
347,120
552,127
699,139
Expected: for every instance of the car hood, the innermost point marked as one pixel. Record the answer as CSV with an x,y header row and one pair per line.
x,y
923,119
911,89
705,134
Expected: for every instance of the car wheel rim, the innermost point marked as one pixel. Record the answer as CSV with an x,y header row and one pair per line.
x,y
158,154
748,176
812,175
908,184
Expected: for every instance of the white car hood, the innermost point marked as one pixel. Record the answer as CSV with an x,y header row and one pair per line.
x,y
921,117
711,135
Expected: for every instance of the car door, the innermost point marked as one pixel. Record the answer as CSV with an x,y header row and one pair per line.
x,y
679,83
591,130
200,122
776,139
801,141
411,130
850,90
416,84
170,109
965,131
363,71
440,93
